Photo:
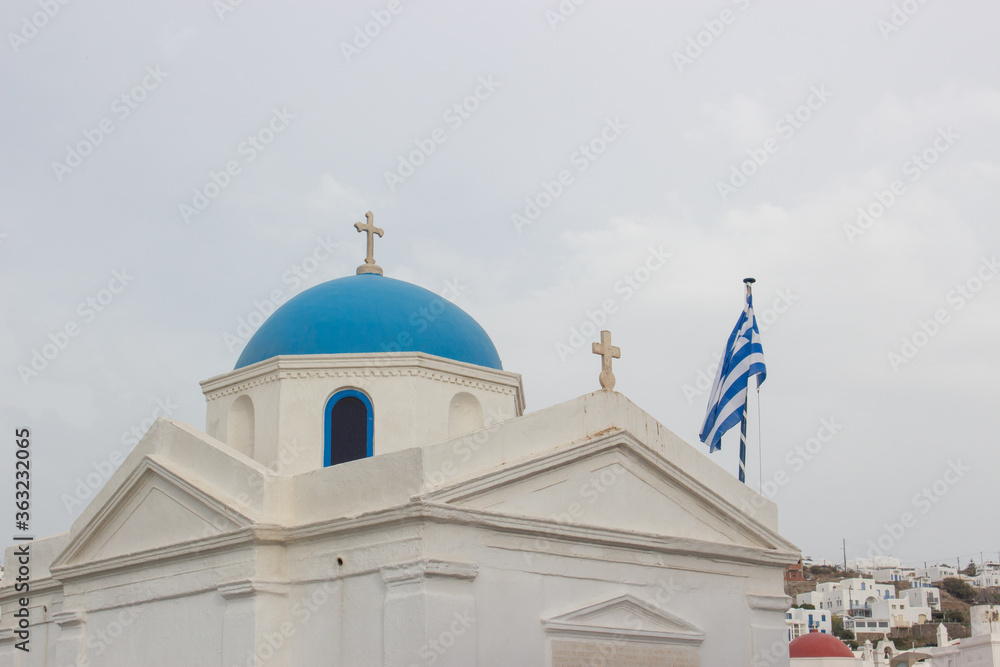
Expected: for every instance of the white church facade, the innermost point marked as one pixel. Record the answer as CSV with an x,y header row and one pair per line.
x,y
369,491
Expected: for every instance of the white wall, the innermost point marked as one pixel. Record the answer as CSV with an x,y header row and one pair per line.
x,y
418,399
937,572
801,621
899,613
923,597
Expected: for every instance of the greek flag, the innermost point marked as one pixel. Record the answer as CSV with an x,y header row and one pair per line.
x,y
743,357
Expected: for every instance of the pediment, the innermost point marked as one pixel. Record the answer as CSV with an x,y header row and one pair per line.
x,y
612,482
624,617
154,509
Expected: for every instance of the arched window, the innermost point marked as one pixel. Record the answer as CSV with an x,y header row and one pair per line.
x,y
465,415
348,424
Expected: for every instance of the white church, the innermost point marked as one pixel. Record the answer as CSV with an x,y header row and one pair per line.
x,y
369,491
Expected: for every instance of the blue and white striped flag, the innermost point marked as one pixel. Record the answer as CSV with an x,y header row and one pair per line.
x,y
743,357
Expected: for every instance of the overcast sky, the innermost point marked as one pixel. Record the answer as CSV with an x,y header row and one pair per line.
x,y
171,167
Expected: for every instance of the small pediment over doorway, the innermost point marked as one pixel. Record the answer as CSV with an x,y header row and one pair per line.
x,y
622,631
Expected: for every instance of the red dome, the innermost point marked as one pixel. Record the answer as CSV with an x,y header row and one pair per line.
x,y
818,645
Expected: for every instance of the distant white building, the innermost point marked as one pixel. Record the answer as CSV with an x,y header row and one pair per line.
x,y
887,575
858,624
888,614
870,565
989,575
859,564
850,597
937,572
802,621
900,613
923,597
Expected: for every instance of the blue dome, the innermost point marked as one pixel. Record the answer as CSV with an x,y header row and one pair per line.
x,y
371,313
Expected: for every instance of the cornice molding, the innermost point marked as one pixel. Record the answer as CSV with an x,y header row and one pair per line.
x,y
231,590
630,448
421,570
69,619
417,512
39,587
352,366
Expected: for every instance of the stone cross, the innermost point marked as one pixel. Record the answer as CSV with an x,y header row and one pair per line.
x,y
370,266
607,352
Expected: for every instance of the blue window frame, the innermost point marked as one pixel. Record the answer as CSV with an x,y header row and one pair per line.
x,y
350,438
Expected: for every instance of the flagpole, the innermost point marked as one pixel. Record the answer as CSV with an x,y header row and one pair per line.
x,y
743,445
743,419
760,446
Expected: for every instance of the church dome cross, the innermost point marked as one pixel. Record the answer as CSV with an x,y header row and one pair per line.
x,y
369,228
